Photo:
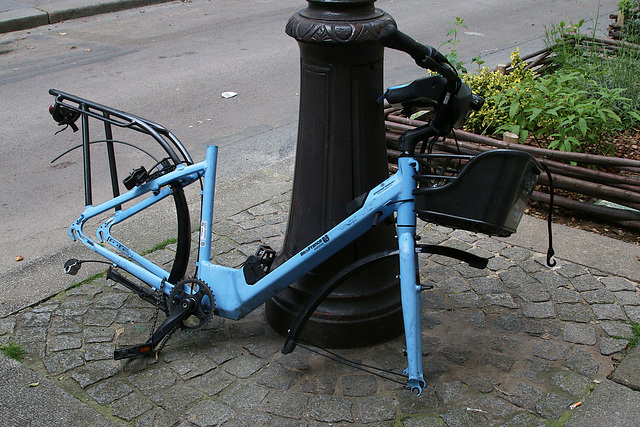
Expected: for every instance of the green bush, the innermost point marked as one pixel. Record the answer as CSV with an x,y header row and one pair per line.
x,y
575,108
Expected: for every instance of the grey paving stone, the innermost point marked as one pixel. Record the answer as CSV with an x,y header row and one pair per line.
x,y
565,296
100,317
480,381
62,362
374,409
508,323
87,290
465,300
188,368
30,319
156,417
515,277
523,396
153,380
456,354
615,284
503,362
491,245
516,253
610,404
244,396
359,385
461,417
73,307
475,318
244,366
224,353
582,362
627,297
279,377
579,333
131,407
209,413
175,399
574,312
99,351
598,296
111,301
91,373
453,284
617,329
500,300
586,282
65,325
524,420
499,264
212,383
430,421
135,315
109,390
533,292
262,209
64,342
494,408
538,310
549,350
93,335
608,312
633,312
628,371
7,325
550,279
451,392
330,409
572,270
553,406
487,285
432,300
573,383
609,346
291,405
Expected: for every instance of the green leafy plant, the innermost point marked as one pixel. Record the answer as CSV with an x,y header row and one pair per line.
x,y
453,41
574,108
564,110
13,350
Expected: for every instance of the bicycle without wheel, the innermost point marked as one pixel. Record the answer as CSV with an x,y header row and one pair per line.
x,y
486,193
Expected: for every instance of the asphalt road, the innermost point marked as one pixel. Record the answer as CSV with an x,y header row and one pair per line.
x,y
171,62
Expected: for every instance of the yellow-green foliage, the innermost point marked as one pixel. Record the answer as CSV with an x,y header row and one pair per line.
x,y
488,84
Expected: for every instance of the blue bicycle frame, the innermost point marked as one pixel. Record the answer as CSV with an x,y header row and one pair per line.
x,y
234,297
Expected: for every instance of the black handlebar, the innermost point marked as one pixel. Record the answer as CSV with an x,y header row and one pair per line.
x,y
424,55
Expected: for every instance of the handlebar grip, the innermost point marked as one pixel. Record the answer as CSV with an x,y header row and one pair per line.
x,y
393,38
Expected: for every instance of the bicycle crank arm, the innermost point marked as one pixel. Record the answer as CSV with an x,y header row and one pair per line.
x,y
180,313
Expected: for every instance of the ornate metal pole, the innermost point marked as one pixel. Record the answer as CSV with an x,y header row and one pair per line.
x,y
341,153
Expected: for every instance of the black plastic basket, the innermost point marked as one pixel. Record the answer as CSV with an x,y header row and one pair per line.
x,y
487,193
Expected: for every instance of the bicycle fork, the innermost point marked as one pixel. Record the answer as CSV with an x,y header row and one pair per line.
x,y
409,286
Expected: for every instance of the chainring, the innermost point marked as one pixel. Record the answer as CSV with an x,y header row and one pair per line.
x,y
205,303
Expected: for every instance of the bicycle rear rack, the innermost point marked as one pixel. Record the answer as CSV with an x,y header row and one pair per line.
x,y
85,109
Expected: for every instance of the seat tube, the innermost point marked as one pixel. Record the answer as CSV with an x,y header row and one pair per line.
x,y
206,218
410,291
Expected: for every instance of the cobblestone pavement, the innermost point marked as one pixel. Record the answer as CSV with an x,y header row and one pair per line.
x,y
515,344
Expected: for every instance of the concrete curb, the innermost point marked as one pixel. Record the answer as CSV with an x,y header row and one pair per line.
x,y
23,19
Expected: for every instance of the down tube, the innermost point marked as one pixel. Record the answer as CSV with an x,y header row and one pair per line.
x,y
410,291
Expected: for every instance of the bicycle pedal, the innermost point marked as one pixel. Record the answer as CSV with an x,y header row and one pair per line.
x,y
259,265
129,352
426,287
